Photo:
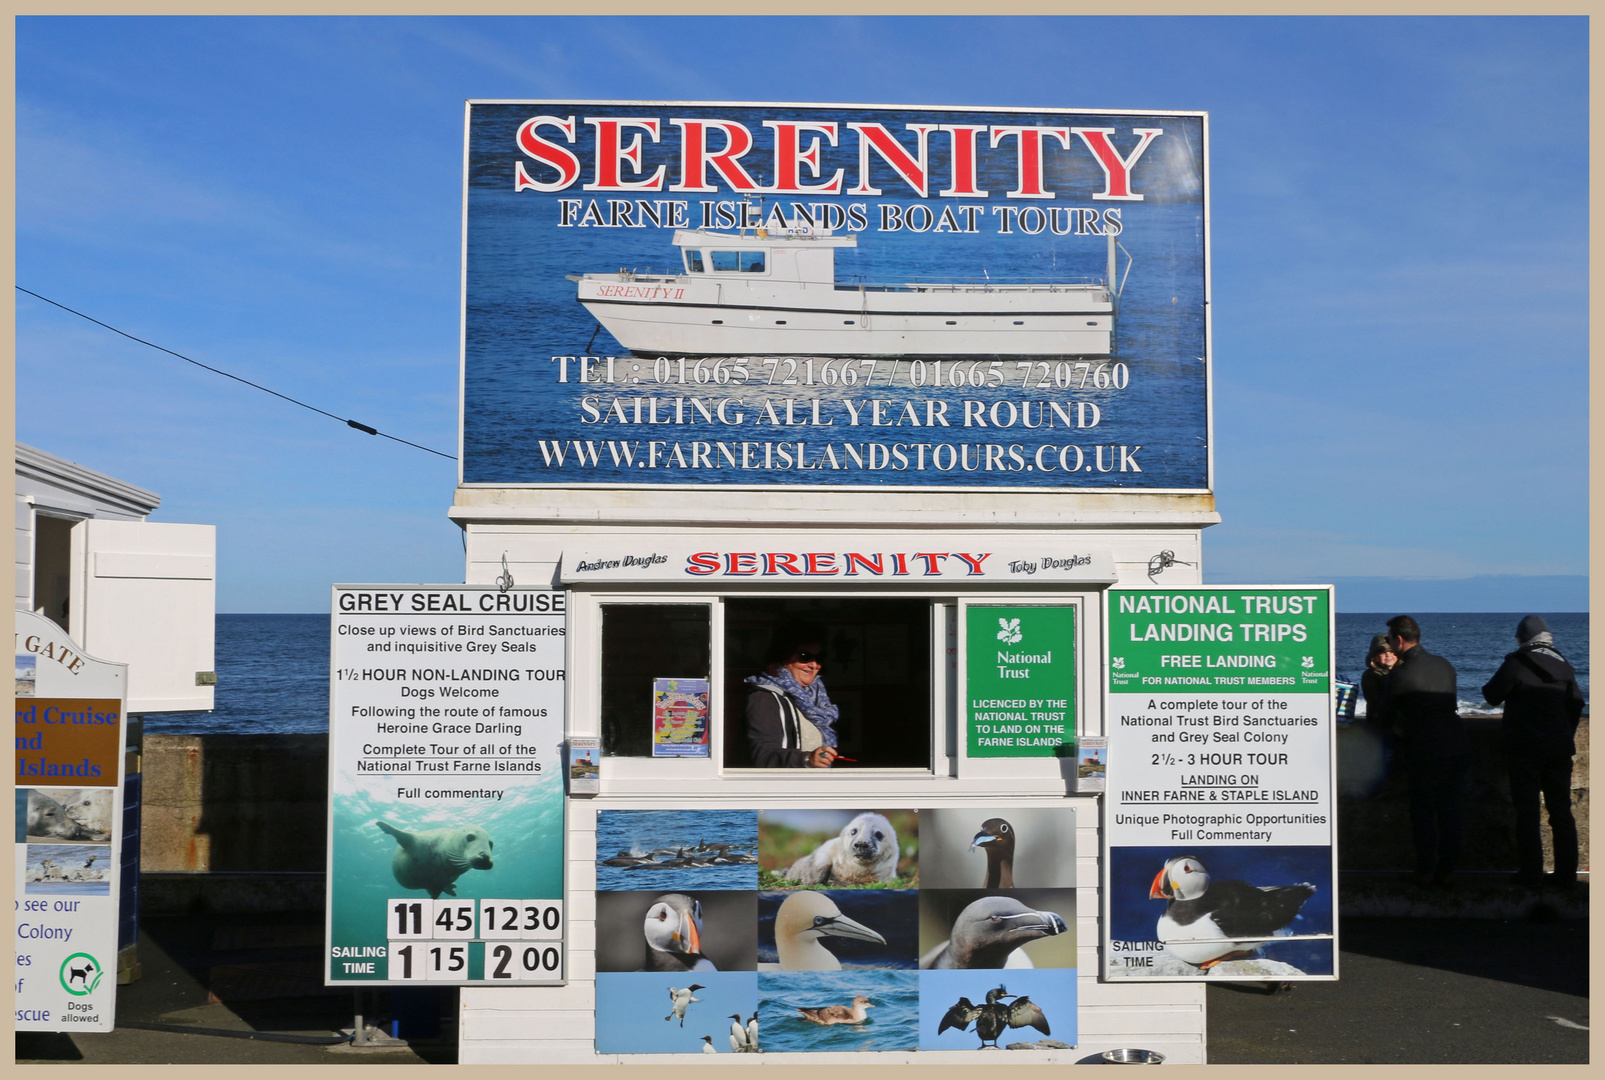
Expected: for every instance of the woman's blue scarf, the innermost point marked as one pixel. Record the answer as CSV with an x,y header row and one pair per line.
x,y
812,699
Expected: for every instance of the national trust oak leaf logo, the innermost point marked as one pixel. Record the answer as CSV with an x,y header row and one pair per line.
x,y
1010,633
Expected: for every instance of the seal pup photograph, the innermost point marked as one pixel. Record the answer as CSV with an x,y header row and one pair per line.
x,y
49,820
433,859
91,808
865,851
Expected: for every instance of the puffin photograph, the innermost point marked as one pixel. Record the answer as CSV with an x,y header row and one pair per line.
x,y
1206,922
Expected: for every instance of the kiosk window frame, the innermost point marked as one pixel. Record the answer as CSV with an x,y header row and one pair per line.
x,y
945,673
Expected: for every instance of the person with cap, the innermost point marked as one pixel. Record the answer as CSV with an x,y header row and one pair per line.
x,y
1379,663
1543,705
1424,712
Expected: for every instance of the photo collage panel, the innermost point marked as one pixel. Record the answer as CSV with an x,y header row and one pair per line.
x,y
807,930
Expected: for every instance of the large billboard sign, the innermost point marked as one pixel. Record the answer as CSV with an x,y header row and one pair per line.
x,y
1220,827
683,294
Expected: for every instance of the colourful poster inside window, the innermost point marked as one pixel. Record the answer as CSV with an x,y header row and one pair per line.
x,y
1020,680
679,717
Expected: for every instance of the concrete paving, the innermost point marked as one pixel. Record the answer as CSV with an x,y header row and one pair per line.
x,y
1421,991
244,974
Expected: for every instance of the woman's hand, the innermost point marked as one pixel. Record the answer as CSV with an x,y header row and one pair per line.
x,y
821,758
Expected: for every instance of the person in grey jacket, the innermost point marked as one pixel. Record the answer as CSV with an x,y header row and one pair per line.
x,y
1543,706
1424,711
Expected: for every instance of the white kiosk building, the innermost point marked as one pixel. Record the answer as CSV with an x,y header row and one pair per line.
x,y
692,502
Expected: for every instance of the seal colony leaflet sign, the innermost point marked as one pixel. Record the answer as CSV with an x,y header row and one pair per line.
x,y
1219,820
446,812
664,293
69,813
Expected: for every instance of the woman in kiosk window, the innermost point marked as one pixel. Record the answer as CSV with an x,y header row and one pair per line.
x,y
791,722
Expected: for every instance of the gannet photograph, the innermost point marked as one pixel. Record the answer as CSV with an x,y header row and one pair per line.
x,y
838,929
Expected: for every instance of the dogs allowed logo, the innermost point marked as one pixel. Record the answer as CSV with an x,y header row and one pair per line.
x,y
1010,633
80,974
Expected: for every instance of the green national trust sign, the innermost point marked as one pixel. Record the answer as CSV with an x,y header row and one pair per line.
x,y
1247,639
1020,670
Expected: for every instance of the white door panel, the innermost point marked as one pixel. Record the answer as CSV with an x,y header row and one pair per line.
x,y
145,594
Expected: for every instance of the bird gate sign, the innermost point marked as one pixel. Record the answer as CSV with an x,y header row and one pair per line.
x,y
446,811
1220,838
71,745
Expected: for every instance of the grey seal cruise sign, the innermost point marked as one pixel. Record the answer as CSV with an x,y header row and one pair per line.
x,y
446,812
684,294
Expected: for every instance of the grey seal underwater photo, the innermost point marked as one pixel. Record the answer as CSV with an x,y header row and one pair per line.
x,y
432,859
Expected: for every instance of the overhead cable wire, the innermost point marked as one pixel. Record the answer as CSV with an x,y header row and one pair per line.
x,y
219,371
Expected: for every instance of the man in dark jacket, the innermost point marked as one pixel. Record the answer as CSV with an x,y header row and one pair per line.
x,y
1543,705
1424,711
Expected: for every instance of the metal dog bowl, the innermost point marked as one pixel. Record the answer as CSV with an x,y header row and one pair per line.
x,y
1134,1057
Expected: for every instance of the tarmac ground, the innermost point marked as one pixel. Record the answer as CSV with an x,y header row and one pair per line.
x,y
1420,991
1413,990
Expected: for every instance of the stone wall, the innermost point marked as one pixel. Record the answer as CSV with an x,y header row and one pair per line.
x,y
234,803
258,803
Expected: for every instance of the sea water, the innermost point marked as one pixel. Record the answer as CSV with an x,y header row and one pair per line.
x,y
273,670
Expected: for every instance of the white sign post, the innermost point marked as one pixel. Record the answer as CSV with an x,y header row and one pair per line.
x,y
71,737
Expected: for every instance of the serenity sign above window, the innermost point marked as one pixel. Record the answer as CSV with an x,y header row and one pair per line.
x,y
692,294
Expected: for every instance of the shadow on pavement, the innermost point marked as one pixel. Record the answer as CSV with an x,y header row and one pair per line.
x,y
1544,955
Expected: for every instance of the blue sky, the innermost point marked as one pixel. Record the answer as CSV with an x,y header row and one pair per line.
x,y
1399,225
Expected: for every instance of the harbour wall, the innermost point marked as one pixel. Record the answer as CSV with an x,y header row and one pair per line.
x,y
239,822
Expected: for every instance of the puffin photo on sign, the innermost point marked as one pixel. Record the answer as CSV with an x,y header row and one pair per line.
x,y
1228,911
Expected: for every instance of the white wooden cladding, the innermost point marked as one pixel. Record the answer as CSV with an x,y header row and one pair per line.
x,y
556,1025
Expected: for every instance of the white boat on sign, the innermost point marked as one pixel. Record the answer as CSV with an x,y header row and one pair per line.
x,y
760,294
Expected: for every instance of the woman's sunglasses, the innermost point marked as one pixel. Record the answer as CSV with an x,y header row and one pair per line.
x,y
808,657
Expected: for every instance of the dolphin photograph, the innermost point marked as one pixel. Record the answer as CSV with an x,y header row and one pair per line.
x,y
676,849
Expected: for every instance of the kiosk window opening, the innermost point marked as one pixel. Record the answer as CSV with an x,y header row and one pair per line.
x,y
642,643
872,657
